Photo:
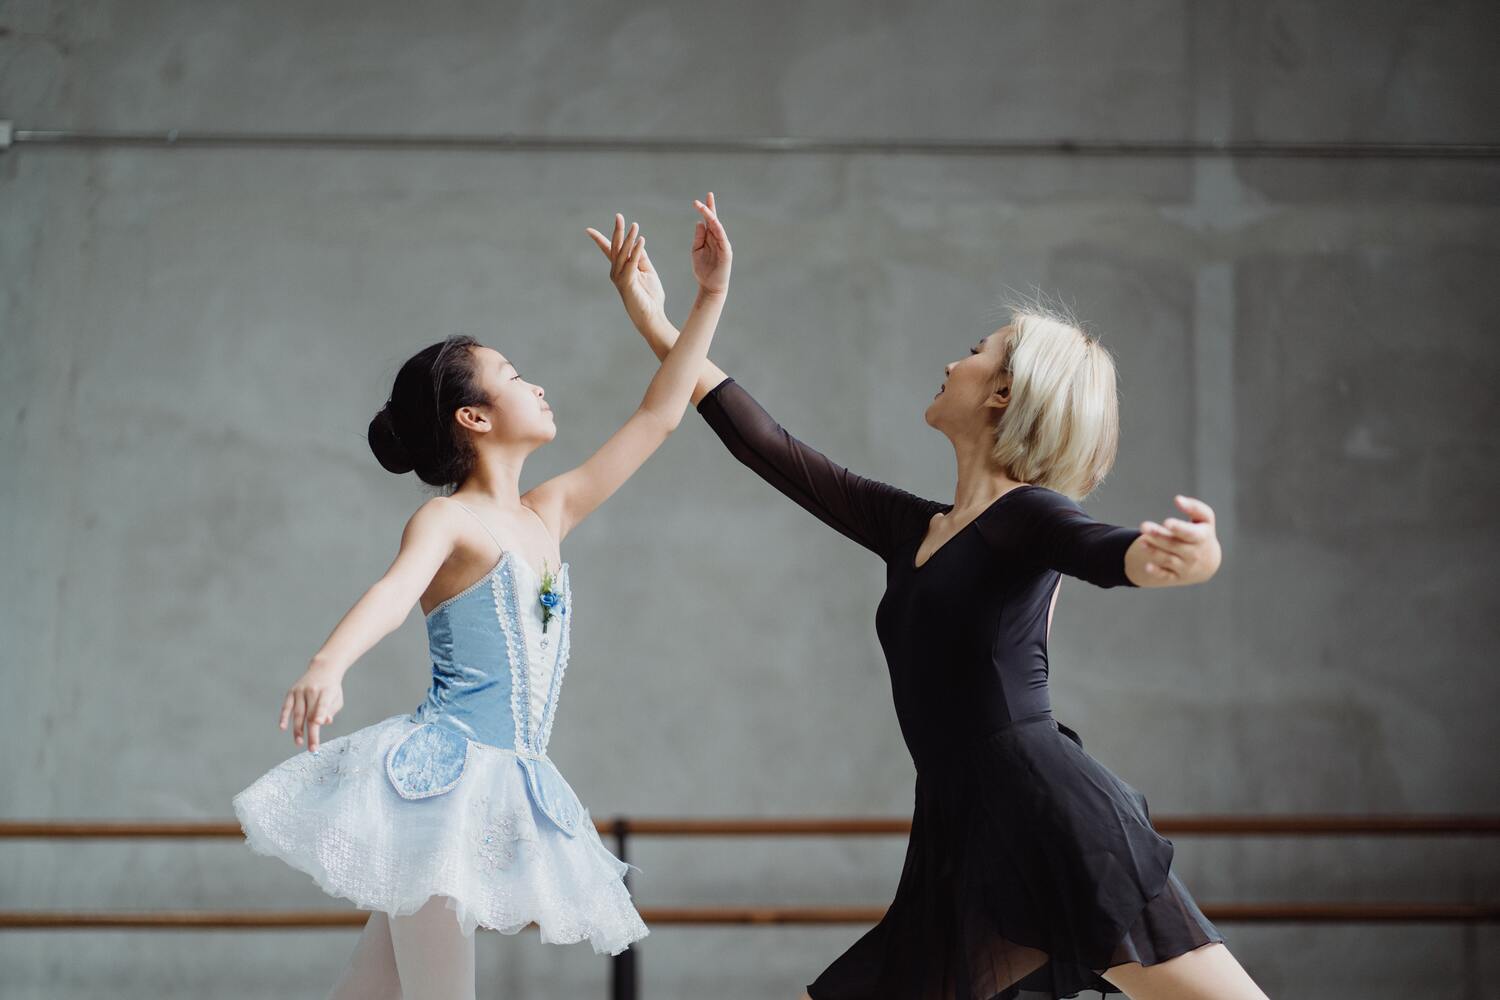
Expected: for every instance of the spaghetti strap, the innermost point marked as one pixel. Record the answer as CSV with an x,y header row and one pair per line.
x,y
486,527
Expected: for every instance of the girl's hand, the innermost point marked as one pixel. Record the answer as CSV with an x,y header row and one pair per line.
x,y
631,271
312,702
712,254
1183,552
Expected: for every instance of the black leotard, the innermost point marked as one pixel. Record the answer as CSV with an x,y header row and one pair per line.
x,y
1024,849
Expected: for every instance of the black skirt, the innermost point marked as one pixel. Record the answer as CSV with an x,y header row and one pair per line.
x,y
1031,869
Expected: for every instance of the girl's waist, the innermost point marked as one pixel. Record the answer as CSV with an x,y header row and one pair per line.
x,y
488,726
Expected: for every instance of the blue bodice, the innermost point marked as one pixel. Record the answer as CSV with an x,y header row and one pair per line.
x,y
497,668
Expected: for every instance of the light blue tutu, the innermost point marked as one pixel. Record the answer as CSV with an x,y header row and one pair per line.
x,y
458,798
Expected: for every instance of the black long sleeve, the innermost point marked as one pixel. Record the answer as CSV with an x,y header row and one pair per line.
x,y
1050,529
874,514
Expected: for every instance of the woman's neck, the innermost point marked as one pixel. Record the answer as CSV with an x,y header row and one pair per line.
x,y
980,481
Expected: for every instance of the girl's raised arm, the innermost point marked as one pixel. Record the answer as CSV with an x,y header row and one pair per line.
x,y
567,499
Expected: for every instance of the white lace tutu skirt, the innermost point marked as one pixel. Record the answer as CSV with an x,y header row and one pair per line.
x,y
484,844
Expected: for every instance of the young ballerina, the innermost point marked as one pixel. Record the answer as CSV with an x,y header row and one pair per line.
x,y
1032,871
452,817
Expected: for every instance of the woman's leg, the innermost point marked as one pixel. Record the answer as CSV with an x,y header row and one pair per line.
x,y
371,972
1206,973
434,955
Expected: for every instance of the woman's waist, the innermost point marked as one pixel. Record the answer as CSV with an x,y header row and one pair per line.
x,y
944,746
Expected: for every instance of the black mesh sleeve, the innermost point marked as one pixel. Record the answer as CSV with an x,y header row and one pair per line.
x,y
874,514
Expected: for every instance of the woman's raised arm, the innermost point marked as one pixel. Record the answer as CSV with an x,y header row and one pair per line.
x,y
872,513
877,515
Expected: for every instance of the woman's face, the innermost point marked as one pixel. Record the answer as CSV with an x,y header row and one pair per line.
x,y
521,413
974,391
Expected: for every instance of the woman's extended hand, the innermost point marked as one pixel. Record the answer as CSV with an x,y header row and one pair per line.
x,y
1182,552
712,254
631,271
312,702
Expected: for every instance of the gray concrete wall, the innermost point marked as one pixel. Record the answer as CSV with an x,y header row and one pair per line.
x,y
193,342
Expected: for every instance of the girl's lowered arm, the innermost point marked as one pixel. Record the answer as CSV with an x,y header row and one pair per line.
x,y
316,697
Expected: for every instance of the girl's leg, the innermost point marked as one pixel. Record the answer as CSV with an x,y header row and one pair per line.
x,y
1206,973
434,955
371,972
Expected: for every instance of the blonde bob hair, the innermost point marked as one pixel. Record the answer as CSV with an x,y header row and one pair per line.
x,y
1061,429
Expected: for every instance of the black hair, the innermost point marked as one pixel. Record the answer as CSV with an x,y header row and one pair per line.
x,y
415,430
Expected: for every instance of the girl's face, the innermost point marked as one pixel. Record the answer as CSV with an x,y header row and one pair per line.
x,y
521,412
974,390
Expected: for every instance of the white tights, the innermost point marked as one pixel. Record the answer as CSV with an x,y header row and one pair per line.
x,y
421,956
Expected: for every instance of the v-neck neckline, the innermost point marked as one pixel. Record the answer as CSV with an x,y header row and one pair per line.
x,y
912,562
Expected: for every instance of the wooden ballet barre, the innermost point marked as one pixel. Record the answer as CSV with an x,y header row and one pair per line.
x,y
1227,825
1276,913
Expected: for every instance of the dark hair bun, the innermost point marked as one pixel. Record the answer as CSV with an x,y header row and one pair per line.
x,y
415,430
392,455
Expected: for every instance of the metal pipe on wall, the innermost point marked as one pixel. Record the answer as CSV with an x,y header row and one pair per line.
x,y
758,145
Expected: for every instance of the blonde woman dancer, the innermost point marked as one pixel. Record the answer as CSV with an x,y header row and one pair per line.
x,y
1032,872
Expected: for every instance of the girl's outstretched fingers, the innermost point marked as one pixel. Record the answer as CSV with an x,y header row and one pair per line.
x,y
712,253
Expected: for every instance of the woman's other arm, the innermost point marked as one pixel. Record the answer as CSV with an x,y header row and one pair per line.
x,y
1052,530
872,513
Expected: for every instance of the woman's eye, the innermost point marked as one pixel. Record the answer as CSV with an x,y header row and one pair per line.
x,y
514,377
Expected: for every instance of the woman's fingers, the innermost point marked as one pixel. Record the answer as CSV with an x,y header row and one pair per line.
x,y
1158,572
627,247
599,241
1174,528
286,710
1167,557
1196,509
1187,531
625,250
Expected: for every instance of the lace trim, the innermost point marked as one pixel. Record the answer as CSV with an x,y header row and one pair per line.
x,y
564,645
517,654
